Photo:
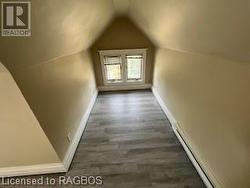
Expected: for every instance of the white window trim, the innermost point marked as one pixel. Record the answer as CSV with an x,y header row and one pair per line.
x,y
123,53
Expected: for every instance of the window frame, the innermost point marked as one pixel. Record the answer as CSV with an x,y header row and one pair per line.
x,y
131,79
105,72
123,53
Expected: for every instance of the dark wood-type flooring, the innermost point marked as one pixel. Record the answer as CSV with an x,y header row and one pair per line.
x,y
129,142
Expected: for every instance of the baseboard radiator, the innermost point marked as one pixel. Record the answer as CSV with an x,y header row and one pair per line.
x,y
187,149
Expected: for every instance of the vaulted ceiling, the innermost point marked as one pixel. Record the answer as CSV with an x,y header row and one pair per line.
x,y
59,28
63,27
220,28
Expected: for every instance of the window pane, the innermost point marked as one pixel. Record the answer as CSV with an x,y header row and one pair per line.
x,y
113,68
134,66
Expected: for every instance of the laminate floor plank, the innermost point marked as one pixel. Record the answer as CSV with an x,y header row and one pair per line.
x,y
129,142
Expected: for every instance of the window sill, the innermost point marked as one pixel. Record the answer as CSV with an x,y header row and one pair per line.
x,y
124,87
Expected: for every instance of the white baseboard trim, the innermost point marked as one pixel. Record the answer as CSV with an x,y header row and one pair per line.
x,y
124,87
53,167
75,141
32,170
180,137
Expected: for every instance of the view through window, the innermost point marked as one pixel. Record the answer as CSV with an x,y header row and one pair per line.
x,y
134,67
123,66
113,68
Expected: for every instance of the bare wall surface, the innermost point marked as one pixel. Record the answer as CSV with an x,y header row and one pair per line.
x,y
213,27
21,134
57,85
122,34
59,93
59,28
210,98
208,95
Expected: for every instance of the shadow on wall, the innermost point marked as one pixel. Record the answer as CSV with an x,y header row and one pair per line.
x,y
59,93
20,131
122,33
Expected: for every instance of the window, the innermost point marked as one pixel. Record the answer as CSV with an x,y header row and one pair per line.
x,y
123,66
113,68
134,67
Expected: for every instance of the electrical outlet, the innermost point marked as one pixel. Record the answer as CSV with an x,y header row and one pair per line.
x,y
69,137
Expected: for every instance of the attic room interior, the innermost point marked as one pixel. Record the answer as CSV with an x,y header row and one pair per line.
x,y
125,93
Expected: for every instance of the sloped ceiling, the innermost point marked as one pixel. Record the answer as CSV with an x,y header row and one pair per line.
x,y
121,7
59,28
220,28
63,27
